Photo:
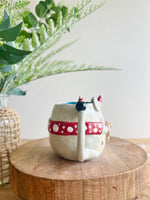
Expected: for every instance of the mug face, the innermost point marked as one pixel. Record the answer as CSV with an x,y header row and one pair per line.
x,y
63,128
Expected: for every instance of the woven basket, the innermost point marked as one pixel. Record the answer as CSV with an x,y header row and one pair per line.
x,y
10,130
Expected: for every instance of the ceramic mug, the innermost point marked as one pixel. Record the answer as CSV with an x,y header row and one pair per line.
x,y
78,130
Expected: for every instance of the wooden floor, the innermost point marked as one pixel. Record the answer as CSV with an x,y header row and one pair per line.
x,y
7,194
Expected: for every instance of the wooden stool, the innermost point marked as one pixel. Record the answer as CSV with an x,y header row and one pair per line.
x,y
37,173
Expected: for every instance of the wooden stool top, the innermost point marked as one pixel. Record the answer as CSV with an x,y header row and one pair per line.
x,y
37,158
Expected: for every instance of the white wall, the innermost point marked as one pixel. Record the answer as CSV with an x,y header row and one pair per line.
x,y
116,35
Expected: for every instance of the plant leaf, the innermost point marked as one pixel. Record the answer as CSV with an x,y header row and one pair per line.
x,y
17,91
6,68
10,34
6,21
30,20
64,10
14,51
25,33
8,58
5,57
49,1
41,9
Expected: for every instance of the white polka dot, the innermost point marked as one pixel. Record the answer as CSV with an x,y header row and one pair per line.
x,y
75,126
63,127
69,129
95,130
90,126
76,131
55,127
100,125
62,131
89,131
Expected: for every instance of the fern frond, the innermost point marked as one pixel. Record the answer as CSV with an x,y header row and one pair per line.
x,y
48,57
17,10
53,68
3,5
26,45
83,4
19,15
72,19
61,66
42,62
35,40
43,33
39,50
87,8
92,9
19,4
58,68
59,19
51,27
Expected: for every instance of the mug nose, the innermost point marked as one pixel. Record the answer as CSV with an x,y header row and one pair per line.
x,y
80,106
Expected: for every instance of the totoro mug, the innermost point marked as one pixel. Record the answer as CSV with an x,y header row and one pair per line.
x,y
78,130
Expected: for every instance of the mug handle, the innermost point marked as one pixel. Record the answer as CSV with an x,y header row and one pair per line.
x,y
109,126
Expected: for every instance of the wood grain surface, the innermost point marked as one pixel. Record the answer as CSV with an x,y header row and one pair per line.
x,y
120,173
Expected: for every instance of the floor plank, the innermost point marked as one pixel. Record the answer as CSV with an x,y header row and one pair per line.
x,y
6,193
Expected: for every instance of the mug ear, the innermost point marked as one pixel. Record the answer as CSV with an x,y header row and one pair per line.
x,y
100,98
96,103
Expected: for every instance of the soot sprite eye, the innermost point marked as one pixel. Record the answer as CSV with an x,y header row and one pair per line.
x,y
80,104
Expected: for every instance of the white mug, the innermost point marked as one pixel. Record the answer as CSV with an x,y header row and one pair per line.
x,y
78,130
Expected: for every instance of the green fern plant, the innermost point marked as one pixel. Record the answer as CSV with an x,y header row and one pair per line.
x,y
40,34
9,55
3,5
17,10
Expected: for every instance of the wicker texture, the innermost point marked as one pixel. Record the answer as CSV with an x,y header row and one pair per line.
x,y
10,130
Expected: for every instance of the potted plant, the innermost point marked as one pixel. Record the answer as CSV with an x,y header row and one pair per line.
x,y
9,119
39,34
27,51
